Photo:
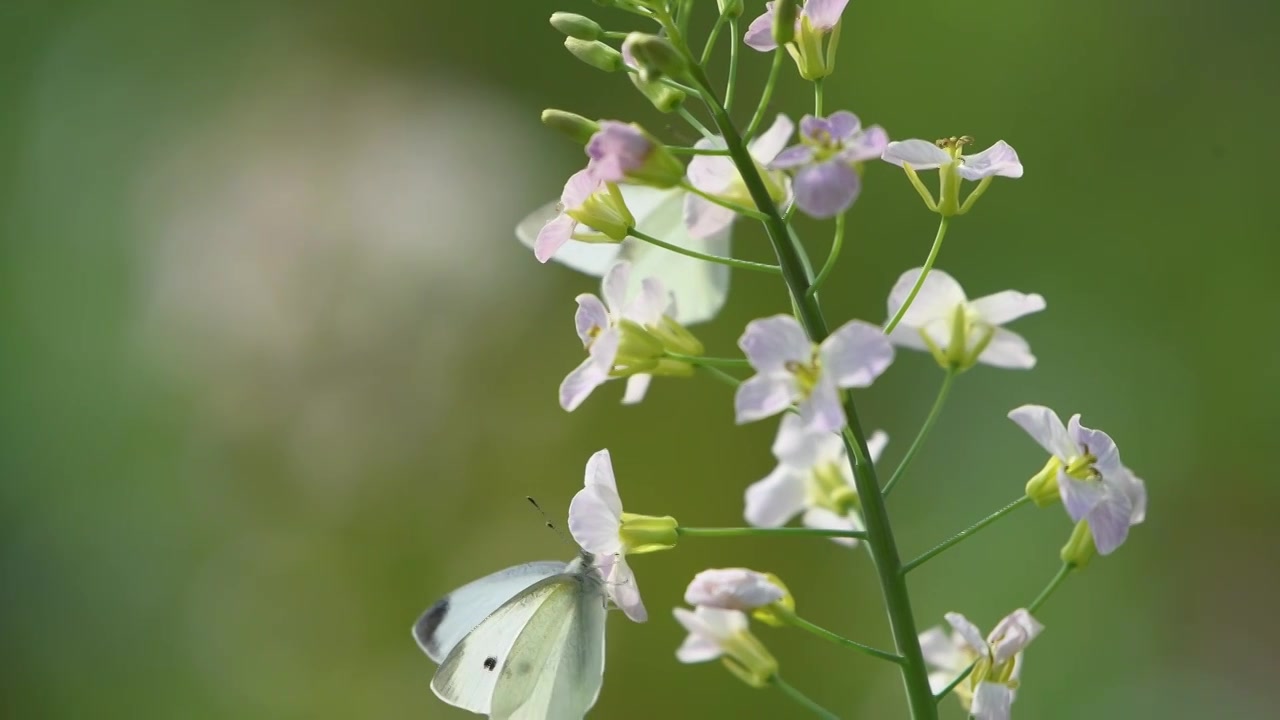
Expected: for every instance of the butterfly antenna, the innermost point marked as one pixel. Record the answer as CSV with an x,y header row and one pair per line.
x,y
546,520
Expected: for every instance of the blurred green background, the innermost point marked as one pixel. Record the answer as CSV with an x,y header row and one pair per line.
x,y
276,375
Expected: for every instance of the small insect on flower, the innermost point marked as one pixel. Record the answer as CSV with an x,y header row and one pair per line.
x,y
813,477
791,369
960,332
989,690
599,524
827,161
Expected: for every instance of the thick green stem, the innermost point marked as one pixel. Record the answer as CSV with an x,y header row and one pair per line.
x,y
924,273
880,539
803,700
934,412
966,533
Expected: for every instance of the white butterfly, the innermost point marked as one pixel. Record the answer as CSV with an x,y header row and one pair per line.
x,y
525,643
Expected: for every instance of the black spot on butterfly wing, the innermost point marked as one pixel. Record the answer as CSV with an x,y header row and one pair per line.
x,y
425,629
490,663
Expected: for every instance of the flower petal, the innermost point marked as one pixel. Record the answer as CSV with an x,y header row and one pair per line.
x,y
637,386
599,475
937,299
856,354
621,587
999,159
593,523
941,653
553,236
773,501
614,288
705,219
766,146
1080,497
617,149
1100,445
802,447
876,444
867,145
711,173
823,519
826,189
591,318
822,409
824,14
1006,306
762,396
699,287
1044,426
919,154
773,342
578,188
697,648
793,156
1109,520
991,701
1136,490
732,589
1012,635
1007,349
591,374
969,632
759,35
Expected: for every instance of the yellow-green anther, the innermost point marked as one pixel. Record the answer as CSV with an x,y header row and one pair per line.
x,y
1081,467
1080,548
595,53
1043,487
647,533
573,125
576,26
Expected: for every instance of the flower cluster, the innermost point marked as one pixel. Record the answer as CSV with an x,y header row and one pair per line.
x,y
654,223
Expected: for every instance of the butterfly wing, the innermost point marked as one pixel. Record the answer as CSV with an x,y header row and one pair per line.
x,y
556,666
445,623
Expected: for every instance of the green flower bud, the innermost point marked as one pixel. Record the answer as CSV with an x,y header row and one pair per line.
x,y
664,97
730,8
647,533
573,125
576,26
1080,549
784,21
655,56
595,53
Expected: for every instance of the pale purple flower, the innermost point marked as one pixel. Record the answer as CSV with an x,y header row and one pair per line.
x,y
999,159
792,370
825,162
699,287
595,521
931,322
717,175
989,691
821,15
812,477
597,324
580,186
732,589
1093,483
616,149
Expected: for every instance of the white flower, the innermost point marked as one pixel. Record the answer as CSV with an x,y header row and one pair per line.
x,y
791,369
1093,483
988,692
605,339
958,331
812,477
595,521
699,287
716,634
999,159
732,589
717,175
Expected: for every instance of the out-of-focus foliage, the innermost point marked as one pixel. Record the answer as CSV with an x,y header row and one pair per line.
x,y
275,374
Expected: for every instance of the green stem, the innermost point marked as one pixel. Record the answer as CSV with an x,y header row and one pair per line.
x,y
966,533
924,273
665,80
934,412
881,542
697,124
952,685
825,634
711,40
817,97
774,532
731,262
733,64
720,375
1049,589
832,256
766,95
803,700
710,361
679,150
716,199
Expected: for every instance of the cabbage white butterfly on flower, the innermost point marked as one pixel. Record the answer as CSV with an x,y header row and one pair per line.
x,y
525,643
